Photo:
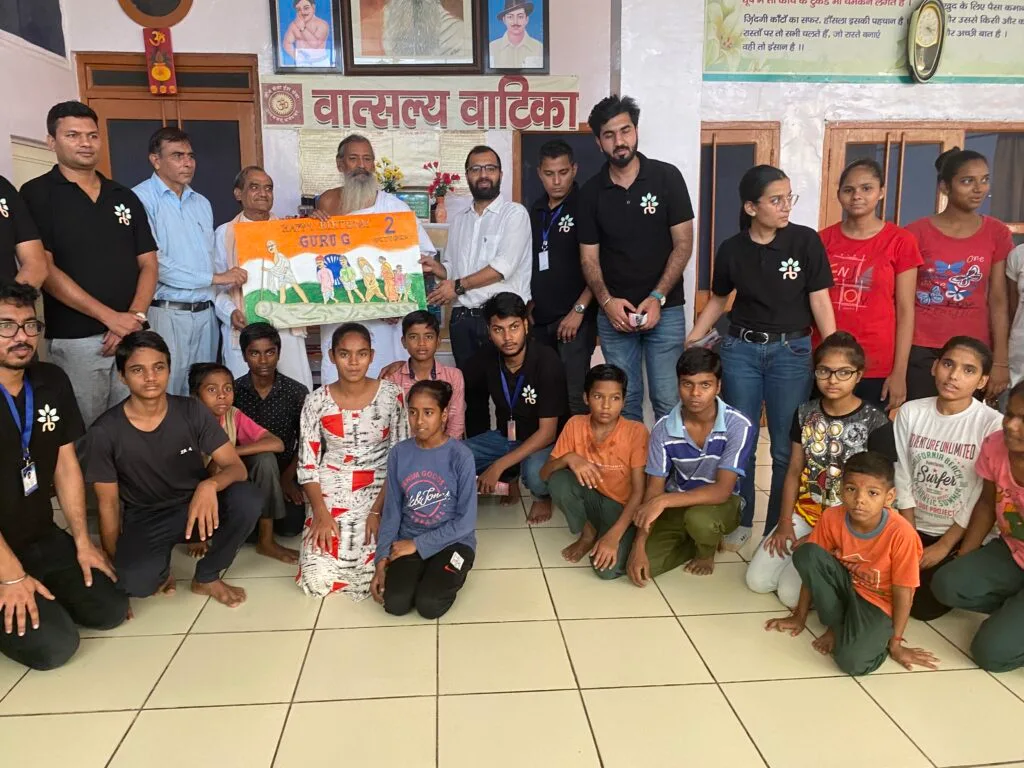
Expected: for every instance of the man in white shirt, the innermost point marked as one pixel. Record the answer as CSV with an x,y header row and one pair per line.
x,y
361,194
516,49
254,190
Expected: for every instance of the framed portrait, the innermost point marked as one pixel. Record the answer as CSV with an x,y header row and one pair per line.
x,y
306,36
516,35
412,37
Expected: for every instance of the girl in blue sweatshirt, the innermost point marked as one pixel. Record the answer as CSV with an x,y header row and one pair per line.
x,y
427,538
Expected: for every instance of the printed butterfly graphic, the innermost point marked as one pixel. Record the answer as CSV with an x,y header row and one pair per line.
x,y
973,275
934,296
944,268
955,293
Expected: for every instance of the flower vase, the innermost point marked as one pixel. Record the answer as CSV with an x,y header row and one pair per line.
x,y
440,211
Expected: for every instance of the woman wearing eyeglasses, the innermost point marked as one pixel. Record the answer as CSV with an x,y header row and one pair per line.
x,y
961,249
781,277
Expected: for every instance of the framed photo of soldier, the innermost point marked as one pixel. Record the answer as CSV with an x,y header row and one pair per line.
x,y
516,35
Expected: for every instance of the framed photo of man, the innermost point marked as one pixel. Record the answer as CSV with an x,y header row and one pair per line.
x,y
306,36
418,37
517,36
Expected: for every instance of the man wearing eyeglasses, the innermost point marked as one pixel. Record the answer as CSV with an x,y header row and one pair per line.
x,y
489,252
50,580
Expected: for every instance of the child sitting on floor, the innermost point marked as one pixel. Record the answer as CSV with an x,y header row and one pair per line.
x,y
427,538
596,474
859,567
824,434
213,385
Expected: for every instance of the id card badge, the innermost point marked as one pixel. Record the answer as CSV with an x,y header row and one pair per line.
x,y
511,430
29,481
542,261
457,561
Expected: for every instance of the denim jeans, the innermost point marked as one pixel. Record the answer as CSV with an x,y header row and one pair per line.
x,y
780,376
488,447
659,348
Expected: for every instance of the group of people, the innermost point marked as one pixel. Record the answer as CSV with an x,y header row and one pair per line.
x,y
190,424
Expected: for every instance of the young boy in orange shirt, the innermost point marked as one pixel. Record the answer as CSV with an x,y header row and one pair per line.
x,y
860,567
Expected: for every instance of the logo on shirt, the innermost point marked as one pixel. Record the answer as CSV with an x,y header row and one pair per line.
x,y
123,213
790,268
183,451
530,395
426,495
650,203
565,223
4,210
48,418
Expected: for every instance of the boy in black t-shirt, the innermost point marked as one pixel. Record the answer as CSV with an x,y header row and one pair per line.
x,y
526,382
147,453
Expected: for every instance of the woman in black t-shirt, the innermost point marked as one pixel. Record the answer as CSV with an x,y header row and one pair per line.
x,y
781,275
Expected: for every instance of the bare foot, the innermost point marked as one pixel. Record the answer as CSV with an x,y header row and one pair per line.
x,y
575,551
514,494
701,566
540,512
198,550
825,643
168,587
227,595
277,552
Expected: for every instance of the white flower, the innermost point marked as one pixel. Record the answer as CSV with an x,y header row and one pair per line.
x,y
123,213
724,34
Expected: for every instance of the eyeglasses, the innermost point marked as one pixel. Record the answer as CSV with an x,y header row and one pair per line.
x,y
483,168
9,329
778,201
841,374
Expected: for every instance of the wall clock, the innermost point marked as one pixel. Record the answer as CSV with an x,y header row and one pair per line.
x,y
925,40
156,13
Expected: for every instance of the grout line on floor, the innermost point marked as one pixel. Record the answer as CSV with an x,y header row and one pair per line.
x,y
298,678
742,724
437,696
893,719
15,685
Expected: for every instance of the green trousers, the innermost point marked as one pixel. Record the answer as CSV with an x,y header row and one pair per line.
x,y
683,533
988,580
862,629
582,505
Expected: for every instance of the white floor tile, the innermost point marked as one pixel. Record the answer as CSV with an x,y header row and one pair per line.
x,y
551,542
505,548
580,594
724,591
959,627
339,612
10,673
249,564
920,635
271,604
158,615
491,513
43,741
490,596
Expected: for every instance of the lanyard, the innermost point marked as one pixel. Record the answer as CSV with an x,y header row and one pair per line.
x,y
520,379
433,371
25,428
551,223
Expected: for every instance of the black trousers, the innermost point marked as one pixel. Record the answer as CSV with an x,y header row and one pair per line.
x,y
575,356
143,557
925,606
468,333
53,560
431,585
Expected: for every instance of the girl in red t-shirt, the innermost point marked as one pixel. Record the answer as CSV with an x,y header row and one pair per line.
x,y
955,296
874,265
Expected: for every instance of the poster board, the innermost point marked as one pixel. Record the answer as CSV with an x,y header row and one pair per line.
x,y
350,268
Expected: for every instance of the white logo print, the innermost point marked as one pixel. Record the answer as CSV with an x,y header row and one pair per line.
x,y
48,418
183,451
530,395
565,223
650,203
4,211
790,268
123,213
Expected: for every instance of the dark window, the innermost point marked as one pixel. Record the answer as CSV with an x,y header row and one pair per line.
x,y
218,161
916,189
585,151
129,149
730,162
35,21
137,78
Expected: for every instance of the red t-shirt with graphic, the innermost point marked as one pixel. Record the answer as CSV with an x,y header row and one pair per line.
x,y
864,294
952,285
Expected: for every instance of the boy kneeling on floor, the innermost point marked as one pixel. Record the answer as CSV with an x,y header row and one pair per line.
x,y
860,567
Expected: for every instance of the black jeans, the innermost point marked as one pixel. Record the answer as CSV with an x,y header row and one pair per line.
x,y
431,585
143,557
468,333
53,560
575,356
925,606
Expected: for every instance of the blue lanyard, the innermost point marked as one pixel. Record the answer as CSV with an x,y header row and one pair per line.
x,y
520,379
547,228
25,428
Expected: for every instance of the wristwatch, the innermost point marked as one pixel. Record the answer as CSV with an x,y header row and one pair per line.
x,y
459,290
659,296
141,316
579,309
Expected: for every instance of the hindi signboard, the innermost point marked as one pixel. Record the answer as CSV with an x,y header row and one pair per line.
x,y
349,268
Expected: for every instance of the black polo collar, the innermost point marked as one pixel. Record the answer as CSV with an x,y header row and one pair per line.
x,y
541,204
781,242
56,177
641,174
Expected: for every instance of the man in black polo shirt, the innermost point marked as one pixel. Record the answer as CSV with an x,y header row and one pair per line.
x,y
49,580
526,383
562,313
636,236
102,259
21,250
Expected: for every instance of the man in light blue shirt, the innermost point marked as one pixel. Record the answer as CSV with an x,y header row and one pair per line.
x,y
182,223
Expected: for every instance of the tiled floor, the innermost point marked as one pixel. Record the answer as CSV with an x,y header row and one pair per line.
x,y
538,664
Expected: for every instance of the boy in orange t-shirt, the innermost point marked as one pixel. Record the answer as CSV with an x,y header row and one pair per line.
x,y
860,567
596,474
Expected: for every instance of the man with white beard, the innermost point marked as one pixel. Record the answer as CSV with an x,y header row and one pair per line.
x,y
424,28
361,194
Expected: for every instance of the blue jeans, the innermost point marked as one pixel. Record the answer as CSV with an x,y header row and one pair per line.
x,y
659,348
490,446
780,376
